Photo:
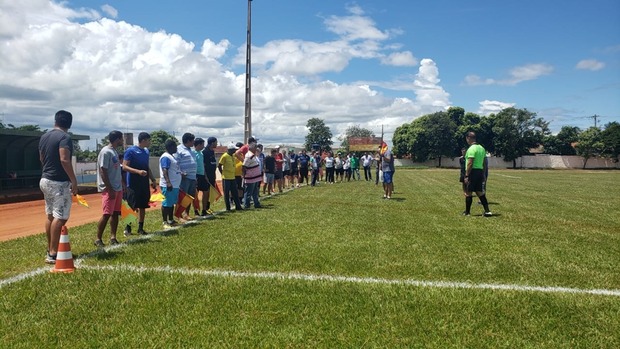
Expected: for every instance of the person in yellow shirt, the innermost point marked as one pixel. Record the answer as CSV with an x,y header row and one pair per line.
x,y
239,174
226,165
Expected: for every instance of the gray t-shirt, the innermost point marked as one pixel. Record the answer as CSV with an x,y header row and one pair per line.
x,y
49,146
108,159
386,166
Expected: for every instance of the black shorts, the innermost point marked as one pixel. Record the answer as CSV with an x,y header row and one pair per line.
x,y
286,173
303,172
138,196
201,183
278,175
476,180
340,171
211,180
294,171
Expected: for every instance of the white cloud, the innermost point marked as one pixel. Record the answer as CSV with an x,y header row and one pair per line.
x,y
590,64
516,75
488,107
114,75
111,11
400,59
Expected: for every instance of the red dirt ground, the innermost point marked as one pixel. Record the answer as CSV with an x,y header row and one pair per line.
x,y
28,218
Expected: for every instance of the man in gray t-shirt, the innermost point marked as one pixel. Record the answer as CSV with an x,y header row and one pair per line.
x,y
58,182
110,184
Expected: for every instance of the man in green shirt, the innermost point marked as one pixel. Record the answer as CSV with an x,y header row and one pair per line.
x,y
474,174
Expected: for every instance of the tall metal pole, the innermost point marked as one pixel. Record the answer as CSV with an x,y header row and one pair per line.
x,y
248,77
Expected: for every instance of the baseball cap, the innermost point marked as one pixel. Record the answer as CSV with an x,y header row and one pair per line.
x,y
239,144
252,140
232,146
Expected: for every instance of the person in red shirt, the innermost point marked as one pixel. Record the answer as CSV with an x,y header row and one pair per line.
x,y
279,164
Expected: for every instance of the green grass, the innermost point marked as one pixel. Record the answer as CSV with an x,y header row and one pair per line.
x,y
552,229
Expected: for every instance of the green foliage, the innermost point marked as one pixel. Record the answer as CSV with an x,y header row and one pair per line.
x,y
158,142
516,132
562,143
318,133
590,144
611,139
353,131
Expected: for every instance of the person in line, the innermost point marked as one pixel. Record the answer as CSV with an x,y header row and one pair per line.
x,y
294,168
210,163
315,163
169,182
378,164
110,185
286,169
387,167
226,165
202,186
187,162
303,160
279,174
239,173
366,162
346,166
329,167
58,182
270,172
136,166
251,176
355,167
338,167
474,175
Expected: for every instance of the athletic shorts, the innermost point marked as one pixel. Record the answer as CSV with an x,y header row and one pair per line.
x,y
286,173
278,175
170,196
340,171
141,197
57,198
476,181
188,186
303,172
294,172
269,178
111,205
387,177
201,183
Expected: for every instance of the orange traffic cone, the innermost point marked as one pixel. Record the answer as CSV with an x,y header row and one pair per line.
x,y
64,257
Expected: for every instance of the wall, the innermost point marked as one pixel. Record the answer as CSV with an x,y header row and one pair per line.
x,y
531,161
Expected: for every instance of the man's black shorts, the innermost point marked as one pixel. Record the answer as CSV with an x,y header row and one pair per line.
x,y
201,183
138,196
476,178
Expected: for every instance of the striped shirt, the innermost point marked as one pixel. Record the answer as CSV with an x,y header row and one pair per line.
x,y
252,168
187,161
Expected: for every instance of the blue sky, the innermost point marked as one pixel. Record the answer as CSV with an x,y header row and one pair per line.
x,y
179,65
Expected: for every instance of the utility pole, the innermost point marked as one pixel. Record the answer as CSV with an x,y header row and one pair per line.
x,y
248,77
595,117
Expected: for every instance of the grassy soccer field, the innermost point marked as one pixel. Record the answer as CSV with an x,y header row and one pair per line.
x,y
338,266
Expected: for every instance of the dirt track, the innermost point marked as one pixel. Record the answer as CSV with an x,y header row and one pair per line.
x,y
28,218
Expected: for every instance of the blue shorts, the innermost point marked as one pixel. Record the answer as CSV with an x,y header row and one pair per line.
x,y
387,177
170,196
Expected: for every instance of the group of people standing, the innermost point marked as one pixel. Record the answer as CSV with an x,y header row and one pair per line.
x,y
186,170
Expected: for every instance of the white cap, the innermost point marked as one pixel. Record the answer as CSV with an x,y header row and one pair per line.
x,y
232,146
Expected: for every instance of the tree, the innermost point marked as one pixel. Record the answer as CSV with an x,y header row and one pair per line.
x,y
354,131
401,140
435,137
516,132
590,144
562,143
158,142
319,134
611,139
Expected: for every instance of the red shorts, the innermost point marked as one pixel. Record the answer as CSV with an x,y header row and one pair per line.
x,y
111,205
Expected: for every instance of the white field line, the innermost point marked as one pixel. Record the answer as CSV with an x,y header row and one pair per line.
x,y
507,176
352,279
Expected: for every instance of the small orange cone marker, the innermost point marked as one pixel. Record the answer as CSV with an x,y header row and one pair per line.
x,y
64,257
